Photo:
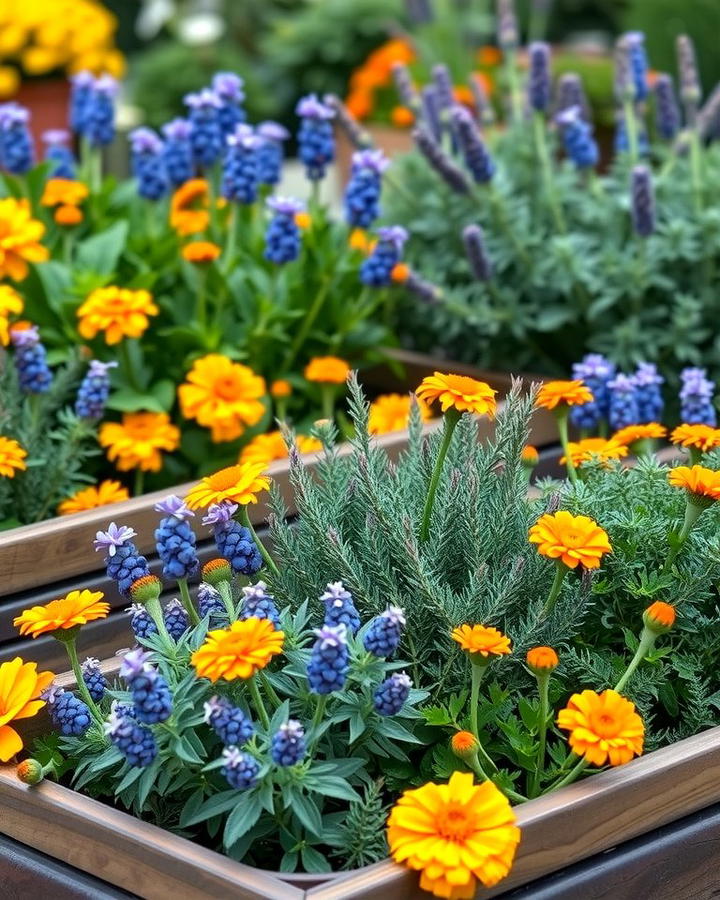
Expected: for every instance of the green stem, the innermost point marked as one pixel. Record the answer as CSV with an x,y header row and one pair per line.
x,y
560,573
543,682
561,415
127,366
258,703
571,775
631,130
138,482
225,592
541,148
511,72
327,401
281,408
647,641
155,612
201,301
477,675
696,170
187,602
269,562
695,456
319,712
307,324
692,514
81,686
452,417
270,691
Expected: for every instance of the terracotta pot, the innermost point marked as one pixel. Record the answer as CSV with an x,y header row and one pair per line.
x,y
48,101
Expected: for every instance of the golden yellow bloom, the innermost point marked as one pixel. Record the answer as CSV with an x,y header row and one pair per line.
x,y
20,237
280,388
118,312
701,437
572,539
11,303
603,727
64,192
481,640
239,484
222,395
359,240
327,370
68,215
659,617
455,835
303,220
391,412
542,659
632,433
20,687
696,480
200,252
137,441
594,448
569,393
9,82
12,457
238,651
529,455
103,494
458,392
266,448
77,608
189,207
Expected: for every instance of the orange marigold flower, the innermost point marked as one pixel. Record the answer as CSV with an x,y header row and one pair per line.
x,y
137,441
402,117
464,744
239,484
400,273
11,303
659,617
12,457
463,94
603,727
359,102
200,252
68,215
103,494
575,540
455,835
391,412
568,393
20,237
489,56
238,651
458,392
189,207
632,433
222,395
147,587
20,687
700,483
216,570
529,455
542,660
303,219
481,642
594,448
327,370
64,192
280,388
75,609
118,312
701,437
359,240
266,448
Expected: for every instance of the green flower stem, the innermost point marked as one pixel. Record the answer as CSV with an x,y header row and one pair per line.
x,y
327,401
269,562
571,775
225,592
693,511
478,672
307,323
560,573
270,691
258,703
631,130
541,148
127,366
561,416
696,456
696,173
511,73
647,641
138,482
281,408
452,417
201,298
543,682
315,194
77,672
156,614
322,700
187,602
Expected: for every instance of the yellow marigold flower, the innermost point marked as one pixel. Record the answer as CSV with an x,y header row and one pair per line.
x,y
569,393
20,237
632,433
542,660
303,220
481,642
189,207
63,192
103,494
359,240
238,651
118,312
20,687
266,448
603,727
464,744
222,395
200,252
239,484
701,437
455,835
137,441
572,539
12,457
327,370
77,608
400,273
593,448
659,617
68,215
11,303
9,82
280,388
458,392
529,455
700,483
391,412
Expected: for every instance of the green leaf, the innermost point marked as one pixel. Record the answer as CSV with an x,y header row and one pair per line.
x,y
243,817
100,253
307,812
213,806
333,786
357,726
128,400
314,861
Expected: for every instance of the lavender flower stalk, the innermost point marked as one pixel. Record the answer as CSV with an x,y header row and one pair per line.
x,y
643,202
443,89
667,112
356,134
483,108
440,161
476,252
431,111
539,78
403,85
507,26
570,92
424,290
690,90
476,155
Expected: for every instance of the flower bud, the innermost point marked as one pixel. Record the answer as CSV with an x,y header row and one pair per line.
x,y
529,456
464,744
216,570
542,660
30,771
659,617
149,587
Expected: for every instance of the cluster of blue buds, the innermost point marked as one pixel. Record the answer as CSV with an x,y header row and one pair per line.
x,y
288,744
17,151
136,742
123,560
175,539
98,119
316,142
362,194
207,138
329,660
148,163
539,77
282,238
240,166
229,722
475,153
141,621
177,151
624,408
258,604
30,358
68,713
59,154
596,372
150,692
696,398
648,393
210,603
339,607
234,541
240,770
271,153
391,695
228,88
81,87
476,251
383,635
94,390
95,681
667,111
577,137
376,270
635,43
176,619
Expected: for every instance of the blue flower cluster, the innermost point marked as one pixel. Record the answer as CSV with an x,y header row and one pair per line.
x,y
125,564
94,390
316,142
624,409
288,744
392,694
234,542
648,393
362,193
150,692
206,135
136,742
140,621
95,681
30,359
330,660
229,722
282,238
149,163
228,87
383,635
175,539
210,603
577,136
476,154
240,770
98,118
339,607
177,151
58,153
270,153
257,603
176,619
696,398
68,713
17,151
240,166
376,270
596,372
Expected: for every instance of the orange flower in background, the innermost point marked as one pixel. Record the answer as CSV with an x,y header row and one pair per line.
x,y
402,117
575,540
603,727
266,448
359,103
222,395
327,370
239,484
20,687
12,457
464,95
391,412
117,312
303,219
400,273
280,388
20,237
68,215
200,252
137,441
632,433
458,392
594,448
64,192
489,56
699,482
11,304
375,73
455,835
542,659
77,608
189,207
479,640
359,240
701,437
238,651
568,393
103,494
529,455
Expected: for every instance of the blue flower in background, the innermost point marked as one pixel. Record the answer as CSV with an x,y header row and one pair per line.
x,y
81,86
148,163
624,408
207,138
229,88
696,398
577,137
99,113
362,194
647,391
271,152
177,151
596,372
17,151
58,153
175,539
30,359
240,167
282,238
376,270
316,142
